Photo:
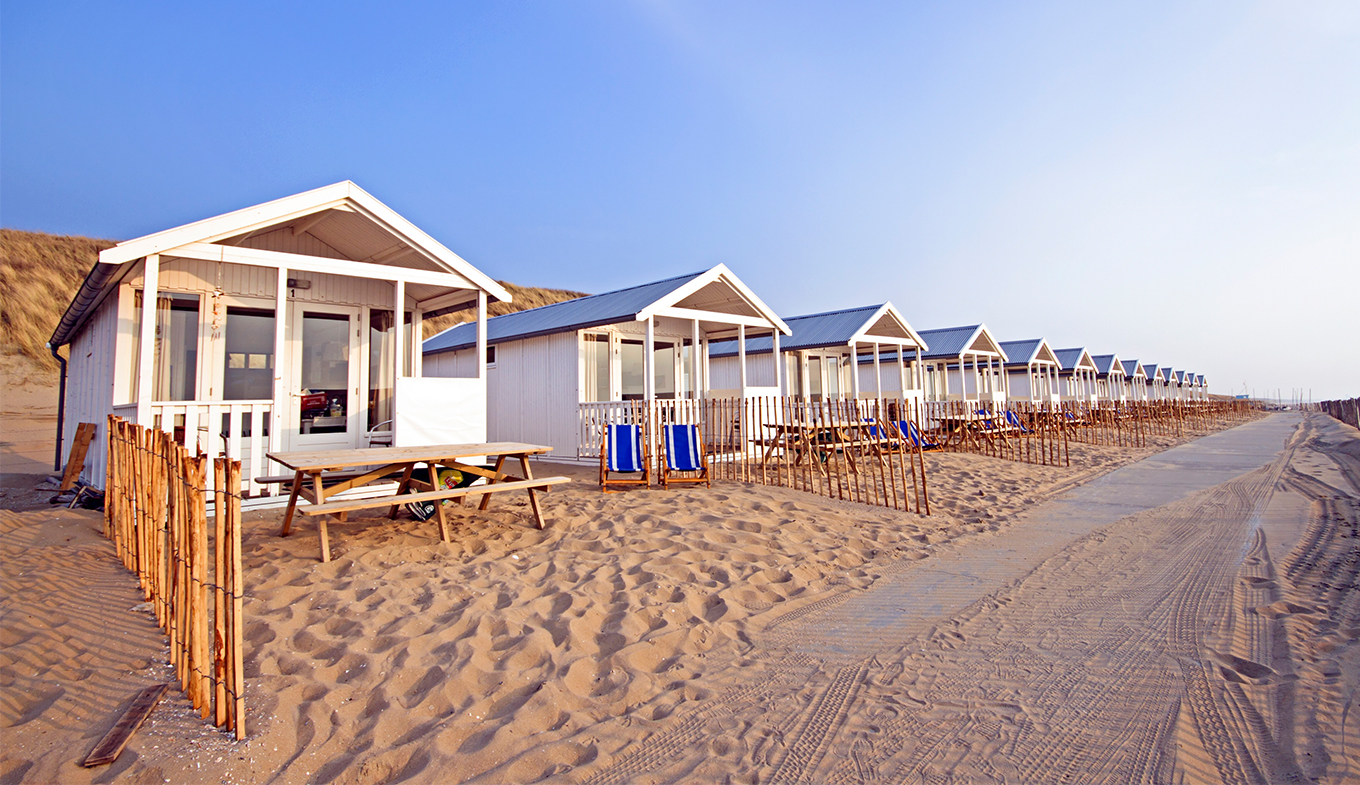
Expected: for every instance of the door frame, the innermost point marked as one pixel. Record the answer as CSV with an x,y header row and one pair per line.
x,y
355,413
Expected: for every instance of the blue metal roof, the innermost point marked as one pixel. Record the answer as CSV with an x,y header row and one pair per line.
x,y
1130,367
813,331
1104,363
947,342
1069,357
592,311
1021,352
1153,366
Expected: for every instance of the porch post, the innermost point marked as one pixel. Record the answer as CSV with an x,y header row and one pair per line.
x,y
150,281
854,371
878,372
694,359
398,334
649,362
741,355
778,363
902,370
803,374
481,334
281,358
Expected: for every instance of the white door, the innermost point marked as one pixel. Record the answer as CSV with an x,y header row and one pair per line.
x,y
323,402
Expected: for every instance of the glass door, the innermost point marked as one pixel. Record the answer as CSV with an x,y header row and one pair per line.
x,y
323,408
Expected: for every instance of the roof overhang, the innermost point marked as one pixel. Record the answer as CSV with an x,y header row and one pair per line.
x,y
362,237
717,297
888,326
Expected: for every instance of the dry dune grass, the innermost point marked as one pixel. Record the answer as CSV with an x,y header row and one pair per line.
x,y
39,274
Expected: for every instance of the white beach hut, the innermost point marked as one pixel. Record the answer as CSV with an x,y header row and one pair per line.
x,y
1031,371
1078,375
963,364
1135,380
1156,382
273,329
1111,385
556,372
866,352
1171,388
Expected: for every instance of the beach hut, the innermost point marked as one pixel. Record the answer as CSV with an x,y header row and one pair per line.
x,y
273,329
1077,379
557,373
1135,380
963,364
1171,389
1110,381
864,352
1156,382
1201,388
1031,371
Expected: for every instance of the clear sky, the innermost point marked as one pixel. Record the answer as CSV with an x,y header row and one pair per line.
x,y
1169,181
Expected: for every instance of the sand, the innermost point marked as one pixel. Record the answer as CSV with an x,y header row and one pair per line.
x,y
665,636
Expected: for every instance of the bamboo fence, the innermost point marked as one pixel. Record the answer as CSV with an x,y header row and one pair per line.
x,y
155,512
858,450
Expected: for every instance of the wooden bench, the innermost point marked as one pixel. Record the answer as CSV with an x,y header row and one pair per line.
x,y
349,505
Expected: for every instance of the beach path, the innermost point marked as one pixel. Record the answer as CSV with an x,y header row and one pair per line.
x,y
1184,618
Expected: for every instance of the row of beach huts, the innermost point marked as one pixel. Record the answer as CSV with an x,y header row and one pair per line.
x,y
275,329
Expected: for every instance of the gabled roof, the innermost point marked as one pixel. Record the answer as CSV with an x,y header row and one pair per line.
x,y
1156,372
1022,353
1105,363
716,287
1168,374
1199,379
1073,359
882,324
954,342
1132,368
340,224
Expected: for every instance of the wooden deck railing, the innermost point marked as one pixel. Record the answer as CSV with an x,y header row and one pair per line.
x,y
155,512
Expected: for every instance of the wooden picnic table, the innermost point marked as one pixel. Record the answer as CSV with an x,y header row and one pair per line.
x,y
815,438
319,475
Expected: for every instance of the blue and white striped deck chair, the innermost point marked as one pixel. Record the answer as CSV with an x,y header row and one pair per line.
x,y
623,450
913,435
684,449
1013,420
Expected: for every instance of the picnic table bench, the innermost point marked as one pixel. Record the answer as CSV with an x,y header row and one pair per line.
x,y
319,475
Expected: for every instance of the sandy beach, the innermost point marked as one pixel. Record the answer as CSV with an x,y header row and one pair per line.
x,y
710,636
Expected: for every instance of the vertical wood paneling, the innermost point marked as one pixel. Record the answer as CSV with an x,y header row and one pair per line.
x,y
89,387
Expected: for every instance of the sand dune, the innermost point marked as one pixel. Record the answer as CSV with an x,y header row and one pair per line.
x,y
654,636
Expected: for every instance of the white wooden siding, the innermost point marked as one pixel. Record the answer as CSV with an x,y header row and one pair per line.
x,y
89,386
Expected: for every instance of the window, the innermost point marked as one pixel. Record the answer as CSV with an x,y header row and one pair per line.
x,y
632,370
663,367
174,364
833,377
490,356
249,370
597,368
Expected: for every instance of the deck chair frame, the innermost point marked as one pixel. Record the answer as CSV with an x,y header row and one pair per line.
x,y
668,475
645,480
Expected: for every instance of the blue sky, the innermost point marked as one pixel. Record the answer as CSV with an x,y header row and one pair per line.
x,y
1176,181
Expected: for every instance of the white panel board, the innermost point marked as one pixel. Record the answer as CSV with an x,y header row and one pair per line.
x,y
439,411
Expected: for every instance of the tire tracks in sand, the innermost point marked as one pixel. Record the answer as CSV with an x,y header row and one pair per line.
x,y
1159,648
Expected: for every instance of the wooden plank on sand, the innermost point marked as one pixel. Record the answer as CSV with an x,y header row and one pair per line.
x,y
75,462
109,747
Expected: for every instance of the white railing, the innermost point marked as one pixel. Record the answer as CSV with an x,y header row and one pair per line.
x,y
237,428
596,415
